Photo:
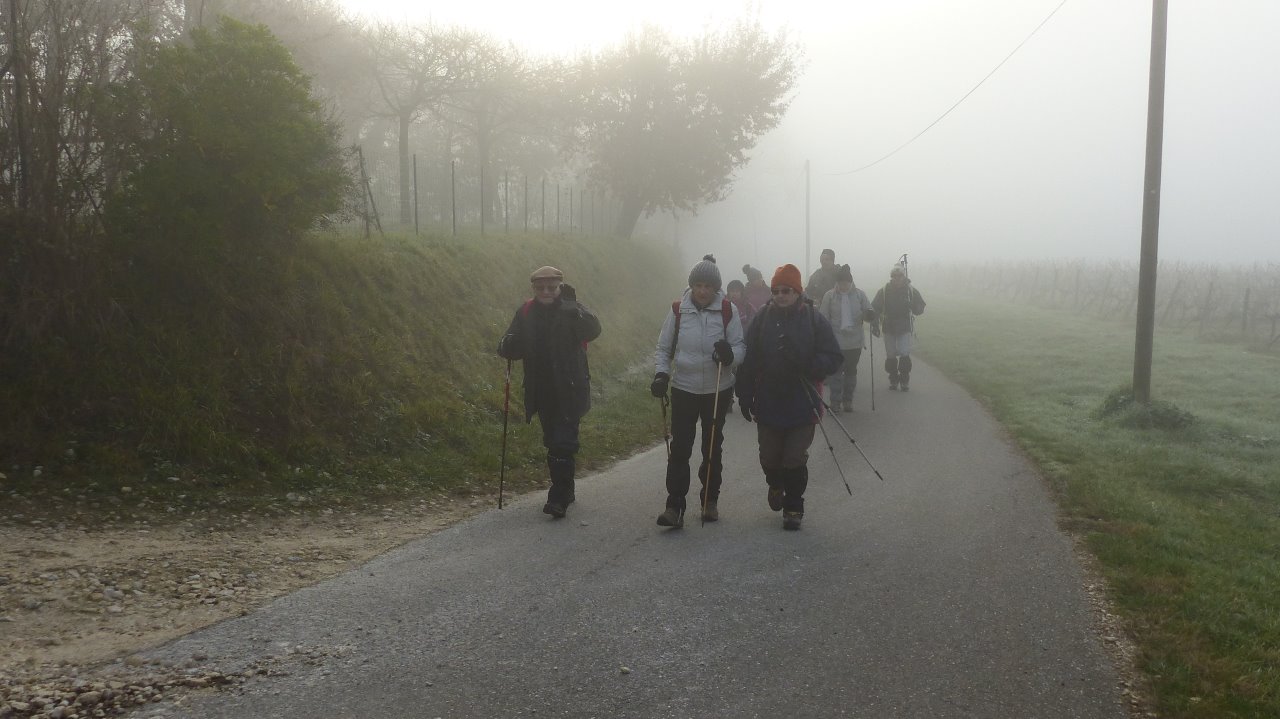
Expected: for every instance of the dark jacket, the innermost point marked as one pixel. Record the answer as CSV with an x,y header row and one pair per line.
x,y
896,306
552,341
789,352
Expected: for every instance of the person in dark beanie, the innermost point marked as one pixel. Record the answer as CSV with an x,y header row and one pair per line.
x,y
790,349
823,278
550,334
756,289
698,348
897,304
736,292
847,308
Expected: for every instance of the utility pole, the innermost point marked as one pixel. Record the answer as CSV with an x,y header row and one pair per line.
x,y
806,219
1145,339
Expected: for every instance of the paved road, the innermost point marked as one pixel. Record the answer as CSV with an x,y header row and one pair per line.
x,y
944,591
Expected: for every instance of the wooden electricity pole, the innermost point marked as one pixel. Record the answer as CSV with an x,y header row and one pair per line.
x,y
1151,208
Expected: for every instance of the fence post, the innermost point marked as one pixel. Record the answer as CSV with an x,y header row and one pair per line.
x,y
453,194
483,209
1244,316
415,194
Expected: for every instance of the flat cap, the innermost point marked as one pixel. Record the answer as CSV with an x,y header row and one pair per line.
x,y
546,272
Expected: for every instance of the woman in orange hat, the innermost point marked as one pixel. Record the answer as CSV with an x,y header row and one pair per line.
x,y
790,349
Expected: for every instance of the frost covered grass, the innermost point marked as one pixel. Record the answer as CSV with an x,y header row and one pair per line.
x,y
1179,502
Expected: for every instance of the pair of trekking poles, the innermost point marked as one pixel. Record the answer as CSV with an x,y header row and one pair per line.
x,y
715,412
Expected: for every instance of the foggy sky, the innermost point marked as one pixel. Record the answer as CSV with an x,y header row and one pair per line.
x,y
1044,160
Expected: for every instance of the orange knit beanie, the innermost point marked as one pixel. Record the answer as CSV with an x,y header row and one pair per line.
x,y
788,276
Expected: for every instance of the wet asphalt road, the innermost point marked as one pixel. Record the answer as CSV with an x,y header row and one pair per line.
x,y
944,591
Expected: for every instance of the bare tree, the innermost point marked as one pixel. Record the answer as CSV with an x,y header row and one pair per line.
x,y
414,70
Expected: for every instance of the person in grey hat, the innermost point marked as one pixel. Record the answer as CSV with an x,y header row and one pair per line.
x,y
847,308
700,345
897,304
550,334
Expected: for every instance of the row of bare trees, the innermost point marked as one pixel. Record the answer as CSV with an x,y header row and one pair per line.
x,y
658,123
1218,302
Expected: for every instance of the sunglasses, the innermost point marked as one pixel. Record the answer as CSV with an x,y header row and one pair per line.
x,y
781,290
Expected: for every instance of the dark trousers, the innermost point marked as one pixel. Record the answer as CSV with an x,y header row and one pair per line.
x,y
843,382
687,411
784,456
560,437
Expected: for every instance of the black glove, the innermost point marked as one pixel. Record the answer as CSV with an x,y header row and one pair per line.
x,y
875,329
869,315
659,386
746,411
567,293
722,353
504,345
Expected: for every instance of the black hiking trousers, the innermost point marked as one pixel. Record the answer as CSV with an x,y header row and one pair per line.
x,y
688,410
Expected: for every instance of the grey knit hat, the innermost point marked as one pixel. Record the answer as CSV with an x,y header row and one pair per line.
x,y
706,272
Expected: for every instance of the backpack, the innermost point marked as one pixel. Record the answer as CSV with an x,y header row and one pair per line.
x,y
726,315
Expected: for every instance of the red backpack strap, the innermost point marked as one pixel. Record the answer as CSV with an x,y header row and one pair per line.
x,y
524,309
675,336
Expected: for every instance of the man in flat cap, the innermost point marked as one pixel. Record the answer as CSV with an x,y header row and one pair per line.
x,y
550,333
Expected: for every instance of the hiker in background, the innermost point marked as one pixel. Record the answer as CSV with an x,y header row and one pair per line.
x,y
790,349
756,289
736,292
896,305
698,348
823,278
550,334
847,308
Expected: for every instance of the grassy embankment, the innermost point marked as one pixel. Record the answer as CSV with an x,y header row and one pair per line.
x,y
344,372
1180,504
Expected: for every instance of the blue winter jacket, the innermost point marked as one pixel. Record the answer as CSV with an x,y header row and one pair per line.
x,y
789,351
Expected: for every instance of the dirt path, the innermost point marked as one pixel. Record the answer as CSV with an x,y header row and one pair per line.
x,y
77,604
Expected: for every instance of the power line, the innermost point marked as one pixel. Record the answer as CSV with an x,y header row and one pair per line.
x,y
962,99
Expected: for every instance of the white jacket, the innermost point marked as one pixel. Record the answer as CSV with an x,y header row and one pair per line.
x,y
691,368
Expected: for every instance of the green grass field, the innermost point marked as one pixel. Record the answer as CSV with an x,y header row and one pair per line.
x,y
1180,502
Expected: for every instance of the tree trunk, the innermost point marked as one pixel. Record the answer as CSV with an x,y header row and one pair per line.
x,y
628,215
406,186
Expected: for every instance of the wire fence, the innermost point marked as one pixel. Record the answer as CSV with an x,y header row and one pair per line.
x,y
1232,303
452,198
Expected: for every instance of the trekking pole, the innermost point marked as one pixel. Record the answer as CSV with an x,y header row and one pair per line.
x,y
818,416
666,433
871,345
840,424
711,448
506,414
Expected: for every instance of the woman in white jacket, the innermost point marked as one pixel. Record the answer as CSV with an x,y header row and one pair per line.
x,y
700,345
846,307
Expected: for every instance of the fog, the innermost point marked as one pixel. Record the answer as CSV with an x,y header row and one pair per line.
x,y
1045,159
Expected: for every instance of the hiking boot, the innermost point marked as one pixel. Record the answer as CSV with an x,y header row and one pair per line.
x,y
710,513
893,386
791,520
835,408
775,499
671,517
555,509
848,405
904,387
